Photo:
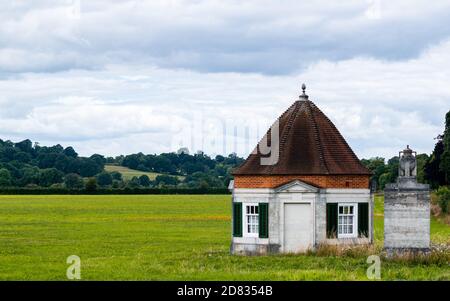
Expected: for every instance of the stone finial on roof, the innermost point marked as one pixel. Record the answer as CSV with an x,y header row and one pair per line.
x,y
304,96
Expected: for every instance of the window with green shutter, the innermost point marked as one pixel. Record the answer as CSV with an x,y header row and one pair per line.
x,y
332,219
237,219
263,220
363,219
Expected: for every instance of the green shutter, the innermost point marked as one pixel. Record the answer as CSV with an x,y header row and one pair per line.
x,y
263,210
363,219
332,219
237,219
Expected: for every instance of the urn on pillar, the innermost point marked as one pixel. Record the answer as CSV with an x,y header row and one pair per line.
x,y
407,209
407,164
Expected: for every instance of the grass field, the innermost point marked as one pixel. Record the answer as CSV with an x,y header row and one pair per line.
x,y
128,173
162,237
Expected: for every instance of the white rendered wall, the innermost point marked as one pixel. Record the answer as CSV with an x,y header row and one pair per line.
x,y
296,192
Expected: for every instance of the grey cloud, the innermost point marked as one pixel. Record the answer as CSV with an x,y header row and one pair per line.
x,y
216,36
379,106
127,77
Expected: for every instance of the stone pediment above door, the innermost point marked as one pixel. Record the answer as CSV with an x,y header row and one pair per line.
x,y
296,186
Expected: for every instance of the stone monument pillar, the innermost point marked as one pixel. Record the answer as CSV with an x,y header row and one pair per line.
x,y
407,210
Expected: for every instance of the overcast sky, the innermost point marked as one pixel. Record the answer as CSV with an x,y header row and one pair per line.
x,y
116,77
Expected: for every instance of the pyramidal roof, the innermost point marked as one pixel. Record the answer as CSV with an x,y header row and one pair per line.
x,y
309,144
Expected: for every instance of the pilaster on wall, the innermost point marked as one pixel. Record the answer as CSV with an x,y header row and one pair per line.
x,y
320,219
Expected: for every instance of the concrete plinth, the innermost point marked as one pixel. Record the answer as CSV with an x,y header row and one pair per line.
x,y
407,217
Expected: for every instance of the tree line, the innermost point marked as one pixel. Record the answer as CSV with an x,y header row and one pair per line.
x,y
433,169
28,165
24,164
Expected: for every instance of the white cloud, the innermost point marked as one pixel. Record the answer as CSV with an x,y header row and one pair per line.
x,y
270,37
129,76
379,106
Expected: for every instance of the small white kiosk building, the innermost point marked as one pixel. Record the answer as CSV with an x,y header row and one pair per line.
x,y
316,191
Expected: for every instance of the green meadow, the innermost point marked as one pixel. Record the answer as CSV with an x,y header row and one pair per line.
x,y
128,173
166,237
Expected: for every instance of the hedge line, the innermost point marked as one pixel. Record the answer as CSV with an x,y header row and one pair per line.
x,y
99,191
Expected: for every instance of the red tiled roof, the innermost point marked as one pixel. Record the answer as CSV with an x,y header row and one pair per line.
x,y
310,144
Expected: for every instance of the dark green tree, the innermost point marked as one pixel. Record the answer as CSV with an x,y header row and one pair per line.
x,y
30,175
444,165
443,194
91,184
421,161
392,169
134,182
73,181
22,157
104,179
166,180
50,176
5,177
70,152
377,167
99,159
116,176
432,173
25,146
89,167
144,180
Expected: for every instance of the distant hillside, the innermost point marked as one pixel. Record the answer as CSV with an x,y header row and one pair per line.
x,y
28,164
128,173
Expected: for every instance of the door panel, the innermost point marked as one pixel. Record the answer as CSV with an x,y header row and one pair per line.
x,y
297,227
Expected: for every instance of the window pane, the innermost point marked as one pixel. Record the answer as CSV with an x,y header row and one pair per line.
x,y
350,229
351,209
256,209
341,209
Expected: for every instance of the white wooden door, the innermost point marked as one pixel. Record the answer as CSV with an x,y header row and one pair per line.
x,y
297,227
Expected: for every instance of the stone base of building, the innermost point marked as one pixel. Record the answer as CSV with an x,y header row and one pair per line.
x,y
347,241
266,249
396,252
254,249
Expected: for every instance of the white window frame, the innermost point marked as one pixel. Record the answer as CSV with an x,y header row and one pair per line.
x,y
244,218
355,221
